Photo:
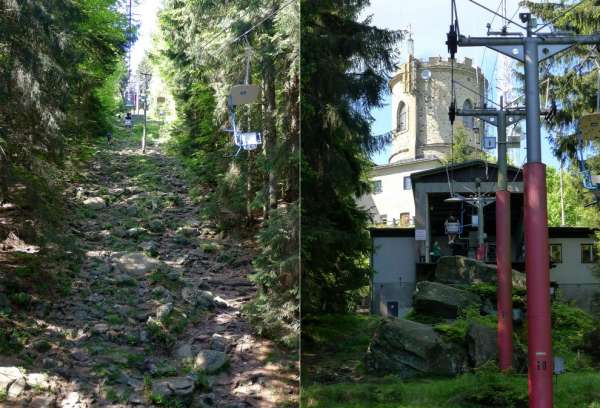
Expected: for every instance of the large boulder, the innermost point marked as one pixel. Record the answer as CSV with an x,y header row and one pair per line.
x,y
437,299
482,344
409,349
466,271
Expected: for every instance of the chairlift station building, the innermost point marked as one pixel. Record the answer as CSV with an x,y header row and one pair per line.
x,y
410,190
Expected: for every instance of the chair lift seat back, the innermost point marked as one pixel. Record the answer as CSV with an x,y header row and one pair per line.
x,y
590,126
453,228
244,94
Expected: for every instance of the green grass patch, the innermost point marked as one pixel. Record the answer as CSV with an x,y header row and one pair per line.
x,y
334,346
481,390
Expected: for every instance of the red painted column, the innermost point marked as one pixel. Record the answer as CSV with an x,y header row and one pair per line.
x,y
539,331
504,289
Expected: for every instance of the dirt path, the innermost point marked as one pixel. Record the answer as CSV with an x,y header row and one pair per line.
x,y
154,317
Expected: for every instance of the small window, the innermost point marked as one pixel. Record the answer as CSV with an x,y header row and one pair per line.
x,y
383,218
402,117
588,254
377,187
468,121
556,253
407,183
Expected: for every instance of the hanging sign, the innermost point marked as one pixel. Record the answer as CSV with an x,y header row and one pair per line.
x,y
420,235
489,143
129,99
513,142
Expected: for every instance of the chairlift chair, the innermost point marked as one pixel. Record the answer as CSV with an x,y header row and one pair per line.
x,y
453,228
242,95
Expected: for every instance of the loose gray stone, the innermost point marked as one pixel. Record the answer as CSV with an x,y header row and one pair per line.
x,y
219,342
38,380
173,386
42,401
12,381
199,298
136,263
163,311
149,247
210,361
100,328
184,351
135,232
71,401
95,203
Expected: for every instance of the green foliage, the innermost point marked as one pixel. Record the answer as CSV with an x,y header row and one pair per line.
x,y
55,85
275,309
259,186
456,331
576,214
345,62
461,148
480,390
569,326
334,346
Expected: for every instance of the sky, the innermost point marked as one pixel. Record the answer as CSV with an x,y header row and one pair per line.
x,y
146,14
429,21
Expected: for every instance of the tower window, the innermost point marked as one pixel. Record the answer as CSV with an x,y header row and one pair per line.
x,y
402,117
468,121
377,187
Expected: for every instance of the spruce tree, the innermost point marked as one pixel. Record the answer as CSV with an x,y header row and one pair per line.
x,y
345,65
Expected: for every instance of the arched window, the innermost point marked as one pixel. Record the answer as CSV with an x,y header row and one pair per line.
x,y
402,117
468,121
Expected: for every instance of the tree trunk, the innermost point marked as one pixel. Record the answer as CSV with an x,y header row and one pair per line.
x,y
270,129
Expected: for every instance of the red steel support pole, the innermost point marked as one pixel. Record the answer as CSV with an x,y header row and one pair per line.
x,y
504,289
538,287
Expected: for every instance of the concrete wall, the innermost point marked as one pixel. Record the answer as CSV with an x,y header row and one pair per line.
x,y
394,200
576,280
395,273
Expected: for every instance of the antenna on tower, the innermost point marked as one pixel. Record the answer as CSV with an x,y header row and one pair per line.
x,y
410,41
129,40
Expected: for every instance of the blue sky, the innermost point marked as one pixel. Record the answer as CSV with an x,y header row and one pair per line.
x,y
429,21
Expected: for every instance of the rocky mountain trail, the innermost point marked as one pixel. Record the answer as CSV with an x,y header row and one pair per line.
x,y
154,315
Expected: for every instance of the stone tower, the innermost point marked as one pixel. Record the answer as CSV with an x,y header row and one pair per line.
x,y
421,95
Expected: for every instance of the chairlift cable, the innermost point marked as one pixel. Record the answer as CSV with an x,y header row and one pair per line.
x,y
257,24
499,15
216,36
220,33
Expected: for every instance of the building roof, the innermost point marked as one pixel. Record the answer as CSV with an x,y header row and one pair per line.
x,y
553,232
466,171
392,232
571,232
401,163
